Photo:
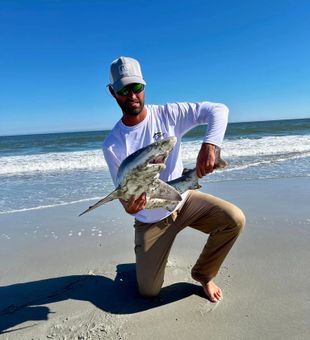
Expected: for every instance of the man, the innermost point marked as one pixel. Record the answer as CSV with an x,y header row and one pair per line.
x,y
156,229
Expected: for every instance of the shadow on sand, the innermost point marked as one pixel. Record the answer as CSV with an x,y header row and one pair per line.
x,y
22,302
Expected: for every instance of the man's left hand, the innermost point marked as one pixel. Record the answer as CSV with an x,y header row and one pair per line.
x,y
205,160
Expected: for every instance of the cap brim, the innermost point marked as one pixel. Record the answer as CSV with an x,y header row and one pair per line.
x,y
126,81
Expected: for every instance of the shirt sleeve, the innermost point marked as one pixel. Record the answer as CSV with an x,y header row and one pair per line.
x,y
185,116
112,162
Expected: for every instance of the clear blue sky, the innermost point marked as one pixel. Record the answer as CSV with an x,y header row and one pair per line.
x,y
55,56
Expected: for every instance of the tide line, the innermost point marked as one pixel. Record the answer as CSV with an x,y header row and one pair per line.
x,y
49,206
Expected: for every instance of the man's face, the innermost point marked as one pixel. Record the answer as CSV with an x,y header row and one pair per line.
x,y
131,104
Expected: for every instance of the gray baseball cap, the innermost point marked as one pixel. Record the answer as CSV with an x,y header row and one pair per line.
x,y
125,71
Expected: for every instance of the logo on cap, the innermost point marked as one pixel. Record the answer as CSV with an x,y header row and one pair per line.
x,y
122,69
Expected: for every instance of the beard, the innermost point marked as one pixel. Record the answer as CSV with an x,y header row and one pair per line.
x,y
132,107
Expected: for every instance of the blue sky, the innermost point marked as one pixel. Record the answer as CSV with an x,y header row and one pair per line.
x,y
55,56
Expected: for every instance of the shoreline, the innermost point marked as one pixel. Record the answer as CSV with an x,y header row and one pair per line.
x,y
204,185
60,286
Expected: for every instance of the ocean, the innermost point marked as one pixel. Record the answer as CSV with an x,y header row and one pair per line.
x,y
44,170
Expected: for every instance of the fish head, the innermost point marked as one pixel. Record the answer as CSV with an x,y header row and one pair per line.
x,y
155,153
158,152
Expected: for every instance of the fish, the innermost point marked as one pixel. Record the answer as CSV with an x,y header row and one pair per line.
x,y
188,181
139,173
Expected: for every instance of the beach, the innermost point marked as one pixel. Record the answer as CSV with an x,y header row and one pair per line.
x,y
69,277
94,117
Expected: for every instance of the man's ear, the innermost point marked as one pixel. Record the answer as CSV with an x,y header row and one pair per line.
x,y
111,91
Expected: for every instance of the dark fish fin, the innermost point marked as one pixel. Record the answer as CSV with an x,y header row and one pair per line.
x,y
112,196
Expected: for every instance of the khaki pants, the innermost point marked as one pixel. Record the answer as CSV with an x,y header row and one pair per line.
x,y
220,219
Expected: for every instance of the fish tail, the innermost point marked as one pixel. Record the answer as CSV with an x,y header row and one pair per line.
x,y
112,196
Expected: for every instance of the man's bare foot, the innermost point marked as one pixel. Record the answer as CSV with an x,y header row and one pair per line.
x,y
213,292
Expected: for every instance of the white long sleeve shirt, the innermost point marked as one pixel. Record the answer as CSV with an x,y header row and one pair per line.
x,y
163,121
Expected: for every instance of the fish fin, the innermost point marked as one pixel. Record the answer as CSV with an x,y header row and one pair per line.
x,y
112,196
171,206
161,203
166,192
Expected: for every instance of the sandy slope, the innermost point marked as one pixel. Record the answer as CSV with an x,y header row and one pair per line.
x,y
63,277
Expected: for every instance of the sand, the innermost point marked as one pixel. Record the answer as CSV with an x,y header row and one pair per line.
x,y
69,277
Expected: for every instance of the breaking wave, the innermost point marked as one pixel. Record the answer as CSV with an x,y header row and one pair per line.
x,y
236,151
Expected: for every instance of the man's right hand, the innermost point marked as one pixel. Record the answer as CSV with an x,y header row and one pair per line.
x,y
134,205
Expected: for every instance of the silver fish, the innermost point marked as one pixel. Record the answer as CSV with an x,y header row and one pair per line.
x,y
188,181
140,171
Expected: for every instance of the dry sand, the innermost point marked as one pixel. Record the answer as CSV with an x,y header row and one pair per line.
x,y
64,277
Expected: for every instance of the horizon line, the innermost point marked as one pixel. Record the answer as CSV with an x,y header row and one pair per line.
x,y
98,130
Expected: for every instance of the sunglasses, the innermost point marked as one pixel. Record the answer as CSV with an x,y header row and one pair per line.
x,y
135,88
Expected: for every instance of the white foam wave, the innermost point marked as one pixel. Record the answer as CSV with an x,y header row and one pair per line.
x,y
266,146
281,146
260,163
51,162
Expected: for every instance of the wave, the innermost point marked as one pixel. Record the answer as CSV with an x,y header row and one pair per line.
x,y
246,147
235,150
52,162
262,163
49,205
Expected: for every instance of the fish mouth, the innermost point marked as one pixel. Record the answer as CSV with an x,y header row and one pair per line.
x,y
159,159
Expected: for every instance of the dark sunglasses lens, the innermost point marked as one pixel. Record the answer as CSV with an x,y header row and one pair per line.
x,y
123,92
137,88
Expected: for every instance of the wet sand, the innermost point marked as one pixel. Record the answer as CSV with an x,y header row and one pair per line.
x,y
69,277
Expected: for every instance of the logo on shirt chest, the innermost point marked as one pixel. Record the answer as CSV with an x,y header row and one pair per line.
x,y
159,135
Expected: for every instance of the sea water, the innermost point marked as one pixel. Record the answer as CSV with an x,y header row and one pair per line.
x,y
44,170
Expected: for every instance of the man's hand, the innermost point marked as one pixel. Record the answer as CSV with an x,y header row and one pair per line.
x,y
135,204
205,160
